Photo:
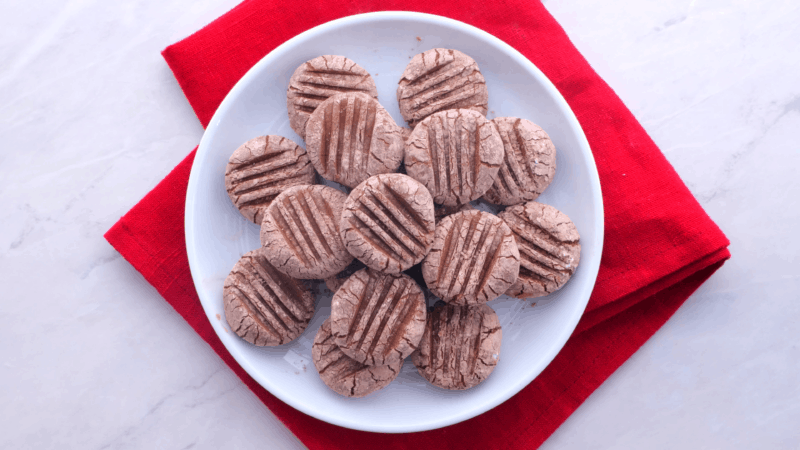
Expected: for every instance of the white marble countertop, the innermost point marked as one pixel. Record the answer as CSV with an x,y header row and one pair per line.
x,y
91,119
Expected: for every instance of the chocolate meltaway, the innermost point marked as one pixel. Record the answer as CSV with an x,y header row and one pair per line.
x,y
474,258
456,154
345,375
350,137
549,248
378,318
262,168
441,79
300,232
529,163
263,305
397,237
460,347
317,79
388,222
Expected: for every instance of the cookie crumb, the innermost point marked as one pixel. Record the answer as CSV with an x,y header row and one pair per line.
x,y
219,317
419,39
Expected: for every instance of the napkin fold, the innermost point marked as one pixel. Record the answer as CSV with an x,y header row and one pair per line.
x,y
660,245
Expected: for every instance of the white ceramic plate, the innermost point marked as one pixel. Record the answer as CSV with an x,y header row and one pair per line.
x,y
383,43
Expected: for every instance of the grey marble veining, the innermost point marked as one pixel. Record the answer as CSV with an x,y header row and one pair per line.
x,y
91,119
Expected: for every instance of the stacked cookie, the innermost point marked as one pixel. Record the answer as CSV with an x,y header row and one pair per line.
x,y
364,243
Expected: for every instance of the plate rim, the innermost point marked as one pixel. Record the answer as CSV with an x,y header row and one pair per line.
x,y
594,180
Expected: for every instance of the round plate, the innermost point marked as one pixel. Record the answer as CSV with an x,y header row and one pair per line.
x,y
383,43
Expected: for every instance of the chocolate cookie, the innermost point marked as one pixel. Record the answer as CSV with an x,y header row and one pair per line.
x,y
263,167
345,375
387,222
300,232
350,137
263,305
460,347
441,79
549,248
474,258
378,318
529,163
316,80
456,154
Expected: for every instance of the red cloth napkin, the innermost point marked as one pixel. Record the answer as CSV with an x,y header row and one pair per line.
x,y
660,245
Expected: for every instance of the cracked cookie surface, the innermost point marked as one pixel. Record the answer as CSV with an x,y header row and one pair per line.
x,y
474,258
264,306
440,79
549,248
456,154
388,222
529,162
345,375
316,80
350,137
460,347
378,318
262,168
300,232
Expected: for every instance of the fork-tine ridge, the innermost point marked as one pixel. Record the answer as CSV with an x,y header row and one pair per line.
x,y
438,80
320,78
264,306
261,169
